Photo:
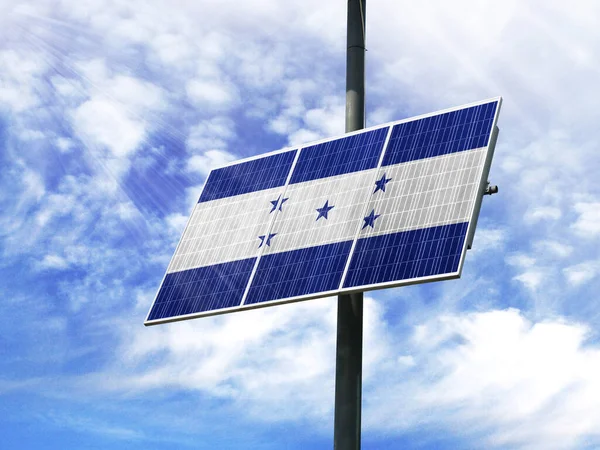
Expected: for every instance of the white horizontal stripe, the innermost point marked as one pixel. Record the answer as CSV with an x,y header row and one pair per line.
x,y
225,230
423,193
426,193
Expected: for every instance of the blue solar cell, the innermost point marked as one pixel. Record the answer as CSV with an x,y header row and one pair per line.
x,y
406,255
345,155
450,132
299,272
202,289
256,175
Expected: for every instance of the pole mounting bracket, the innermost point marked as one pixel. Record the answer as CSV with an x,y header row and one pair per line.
x,y
490,189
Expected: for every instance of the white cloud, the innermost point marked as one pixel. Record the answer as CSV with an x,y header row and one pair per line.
x,y
132,30
282,124
31,135
210,159
69,89
25,188
116,119
275,363
520,260
328,118
20,86
548,249
135,95
406,360
262,360
82,424
496,376
293,105
100,122
303,124
261,69
588,222
582,272
532,279
382,114
192,194
55,262
94,71
532,275
64,144
489,239
212,95
539,213
303,136
173,48
212,133
177,222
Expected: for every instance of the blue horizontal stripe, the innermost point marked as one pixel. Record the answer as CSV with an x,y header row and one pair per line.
x,y
445,133
256,175
299,272
202,289
406,255
348,154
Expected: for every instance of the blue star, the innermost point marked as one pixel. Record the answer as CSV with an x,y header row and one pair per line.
x,y
381,183
324,210
370,219
276,202
267,241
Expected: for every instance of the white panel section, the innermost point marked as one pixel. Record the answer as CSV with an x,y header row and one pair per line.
x,y
296,226
226,229
426,193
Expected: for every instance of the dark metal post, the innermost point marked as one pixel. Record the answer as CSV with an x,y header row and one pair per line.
x,y
348,360
355,66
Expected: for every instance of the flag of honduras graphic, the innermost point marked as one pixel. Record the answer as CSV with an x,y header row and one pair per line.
x,y
385,206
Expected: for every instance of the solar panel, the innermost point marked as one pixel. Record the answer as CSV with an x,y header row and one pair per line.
x,y
385,206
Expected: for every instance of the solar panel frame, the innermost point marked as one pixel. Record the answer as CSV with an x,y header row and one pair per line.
x,y
466,244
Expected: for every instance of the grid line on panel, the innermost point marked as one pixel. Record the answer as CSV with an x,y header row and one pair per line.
x,y
202,289
424,197
250,176
414,221
441,134
224,230
406,255
270,226
216,254
433,183
348,154
366,202
298,272
324,163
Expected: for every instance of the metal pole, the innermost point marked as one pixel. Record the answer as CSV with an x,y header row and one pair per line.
x,y
355,66
348,360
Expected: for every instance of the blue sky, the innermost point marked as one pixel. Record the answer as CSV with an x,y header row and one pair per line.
x,y
112,114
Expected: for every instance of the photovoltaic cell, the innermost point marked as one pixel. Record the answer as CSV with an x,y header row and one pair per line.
x,y
202,289
406,255
225,230
345,155
250,176
427,192
381,207
450,132
299,272
319,210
